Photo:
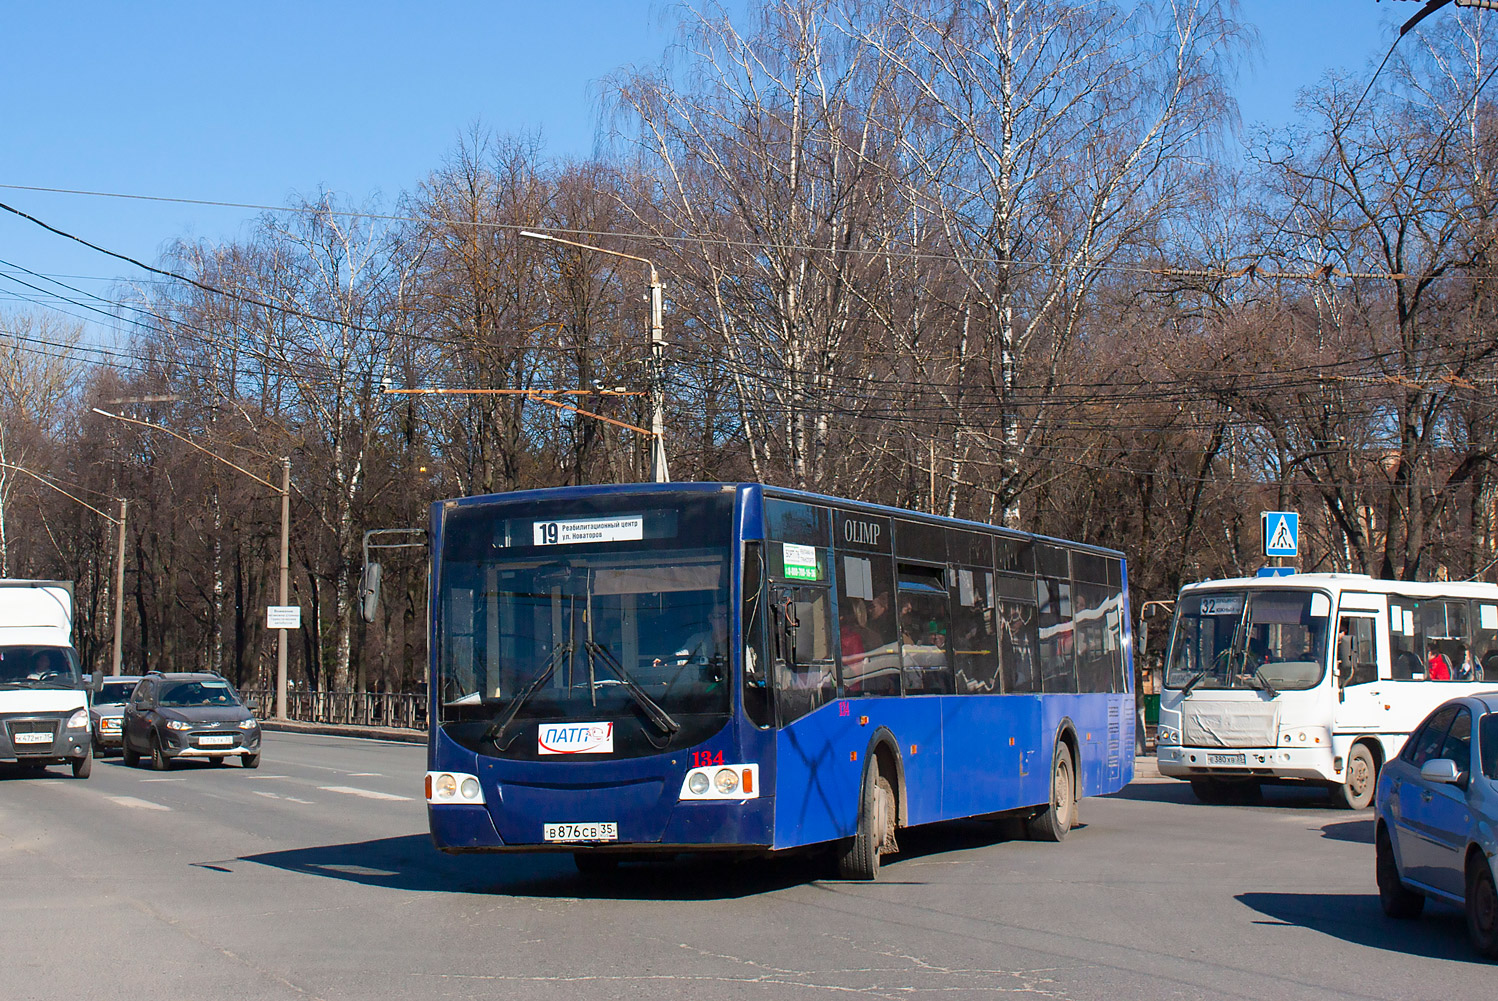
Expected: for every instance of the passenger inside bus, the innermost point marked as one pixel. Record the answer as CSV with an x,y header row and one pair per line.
x,y
1437,669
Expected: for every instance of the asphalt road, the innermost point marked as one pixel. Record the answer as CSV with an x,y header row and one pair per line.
x,y
313,878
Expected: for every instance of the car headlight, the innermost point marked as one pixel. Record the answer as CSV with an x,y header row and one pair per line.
x,y
79,720
178,724
248,724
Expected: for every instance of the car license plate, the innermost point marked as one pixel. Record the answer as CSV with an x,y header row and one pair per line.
x,y
33,738
1225,759
580,832
221,740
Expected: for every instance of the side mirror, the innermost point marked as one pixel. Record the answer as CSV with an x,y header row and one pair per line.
x,y
252,704
1442,771
1149,611
369,591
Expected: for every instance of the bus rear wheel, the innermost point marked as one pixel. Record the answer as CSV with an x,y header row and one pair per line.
x,y
1056,820
858,857
1356,791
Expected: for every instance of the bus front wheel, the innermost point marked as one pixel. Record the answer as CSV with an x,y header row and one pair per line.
x,y
1356,791
858,857
1056,820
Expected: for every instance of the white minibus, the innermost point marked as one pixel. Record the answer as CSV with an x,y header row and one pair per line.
x,y
1314,677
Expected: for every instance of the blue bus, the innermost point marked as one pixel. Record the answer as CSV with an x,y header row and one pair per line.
x,y
688,667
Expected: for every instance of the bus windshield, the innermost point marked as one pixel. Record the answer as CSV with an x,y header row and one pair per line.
x,y
595,618
1272,640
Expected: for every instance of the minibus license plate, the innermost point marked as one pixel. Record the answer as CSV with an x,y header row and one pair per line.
x,y
1225,759
40,737
580,832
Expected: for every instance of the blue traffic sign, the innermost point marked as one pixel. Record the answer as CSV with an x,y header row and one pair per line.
x,y
1275,572
1281,533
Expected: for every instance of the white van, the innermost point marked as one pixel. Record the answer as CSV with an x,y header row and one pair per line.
x,y
43,697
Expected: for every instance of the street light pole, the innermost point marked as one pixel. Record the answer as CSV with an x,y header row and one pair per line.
x,y
284,490
285,575
119,597
119,570
657,359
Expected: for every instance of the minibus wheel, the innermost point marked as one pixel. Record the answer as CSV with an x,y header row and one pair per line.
x,y
1356,791
83,766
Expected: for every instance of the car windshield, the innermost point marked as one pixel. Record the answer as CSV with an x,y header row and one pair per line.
x,y
198,693
38,667
1272,640
553,617
114,693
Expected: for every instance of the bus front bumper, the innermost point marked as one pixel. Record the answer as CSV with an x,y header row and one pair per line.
x,y
1315,764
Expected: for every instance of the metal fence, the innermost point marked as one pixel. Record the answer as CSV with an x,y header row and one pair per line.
x,y
393,709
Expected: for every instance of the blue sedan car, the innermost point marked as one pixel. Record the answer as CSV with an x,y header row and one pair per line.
x,y
1437,810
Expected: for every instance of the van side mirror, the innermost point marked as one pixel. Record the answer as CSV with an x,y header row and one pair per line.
x,y
369,591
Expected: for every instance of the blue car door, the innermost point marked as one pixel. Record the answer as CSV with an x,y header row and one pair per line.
x,y
1414,797
1447,817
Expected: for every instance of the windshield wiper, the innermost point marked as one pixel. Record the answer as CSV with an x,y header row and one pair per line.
x,y
1195,680
498,727
657,715
1262,680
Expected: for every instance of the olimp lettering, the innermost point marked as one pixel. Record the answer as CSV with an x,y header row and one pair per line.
x,y
862,533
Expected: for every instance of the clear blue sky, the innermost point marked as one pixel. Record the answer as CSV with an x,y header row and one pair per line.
x,y
260,102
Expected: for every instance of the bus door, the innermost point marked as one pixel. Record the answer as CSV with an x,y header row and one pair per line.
x,y
1362,705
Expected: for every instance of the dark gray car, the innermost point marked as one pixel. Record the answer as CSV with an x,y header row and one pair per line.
x,y
107,708
172,716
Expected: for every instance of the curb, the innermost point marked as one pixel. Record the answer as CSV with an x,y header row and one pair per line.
x,y
399,736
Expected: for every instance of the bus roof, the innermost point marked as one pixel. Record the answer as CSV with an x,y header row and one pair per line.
x,y
1356,582
787,493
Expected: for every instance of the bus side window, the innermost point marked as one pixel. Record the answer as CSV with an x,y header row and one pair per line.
x,y
1485,639
804,675
1057,661
757,704
1404,640
975,654
1357,660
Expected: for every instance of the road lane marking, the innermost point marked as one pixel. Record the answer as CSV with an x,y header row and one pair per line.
x,y
289,799
366,793
137,804
163,780
366,775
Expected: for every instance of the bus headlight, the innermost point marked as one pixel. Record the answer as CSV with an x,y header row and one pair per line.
x,y
735,782
454,787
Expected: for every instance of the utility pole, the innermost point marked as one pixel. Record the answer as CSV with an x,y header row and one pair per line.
x,y
658,472
119,597
285,578
656,361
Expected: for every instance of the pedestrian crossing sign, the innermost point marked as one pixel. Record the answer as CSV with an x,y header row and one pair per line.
x,y
1281,533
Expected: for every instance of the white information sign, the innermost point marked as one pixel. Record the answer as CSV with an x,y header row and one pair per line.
x,y
283,616
1487,616
630,528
